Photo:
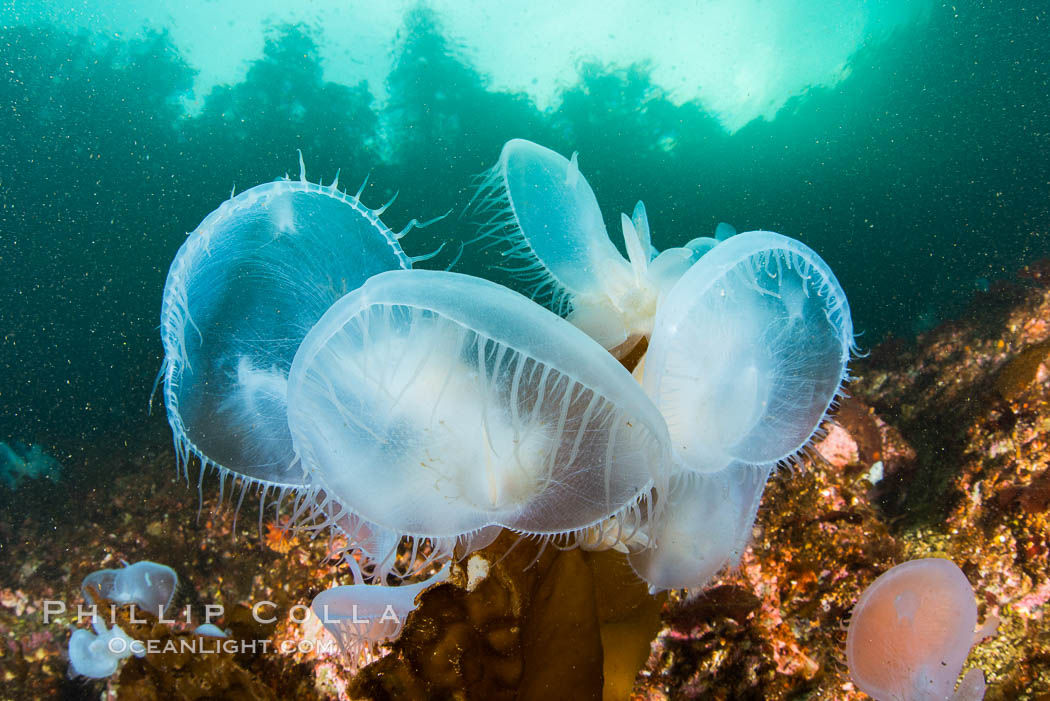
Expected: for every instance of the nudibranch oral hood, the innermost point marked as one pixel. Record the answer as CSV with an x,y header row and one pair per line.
x,y
748,352
149,585
910,634
242,292
436,404
539,208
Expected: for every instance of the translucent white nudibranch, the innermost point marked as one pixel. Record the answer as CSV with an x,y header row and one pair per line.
x,y
435,405
149,585
97,655
361,616
669,265
748,352
241,294
911,632
539,208
704,528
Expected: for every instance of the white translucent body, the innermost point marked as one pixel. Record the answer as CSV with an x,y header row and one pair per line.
x,y
148,585
558,215
748,351
97,655
668,267
438,406
368,614
210,630
704,527
549,219
242,292
435,404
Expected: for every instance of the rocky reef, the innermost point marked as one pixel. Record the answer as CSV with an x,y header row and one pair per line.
x,y
941,450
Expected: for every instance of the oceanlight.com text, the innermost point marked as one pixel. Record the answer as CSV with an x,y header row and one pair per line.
x,y
203,645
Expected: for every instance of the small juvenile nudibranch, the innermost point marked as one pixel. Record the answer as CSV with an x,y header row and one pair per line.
x,y
98,654
911,632
149,585
361,616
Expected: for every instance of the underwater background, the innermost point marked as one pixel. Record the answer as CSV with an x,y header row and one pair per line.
x,y
915,159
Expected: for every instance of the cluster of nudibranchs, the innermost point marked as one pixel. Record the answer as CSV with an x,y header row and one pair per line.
x,y
637,403
146,585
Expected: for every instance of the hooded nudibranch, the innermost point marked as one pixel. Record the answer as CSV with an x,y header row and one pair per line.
x,y
361,616
911,632
303,354
749,350
97,655
704,528
149,585
538,206
435,405
241,294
